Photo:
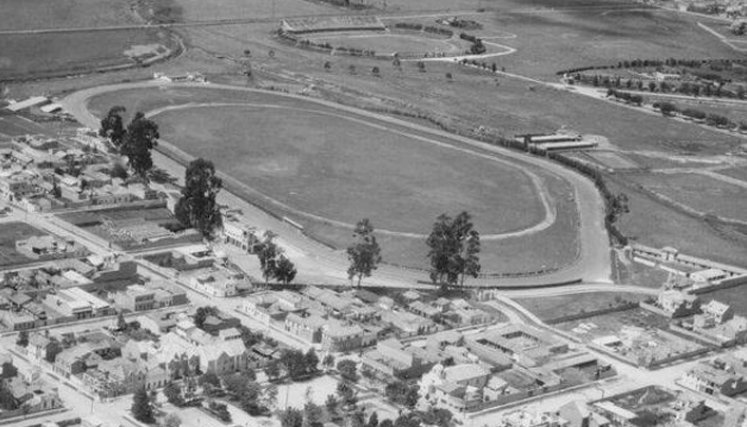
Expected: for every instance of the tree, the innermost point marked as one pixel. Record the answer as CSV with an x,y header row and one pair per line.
x,y
667,108
312,415
172,420
198,207
23,339
141,408
285,271
351,69
173,394
347,393
402,393
209,378
291,417
53,349
386,423
118,171
272,370
311,360
121,322
373,420
221,411
331,404
421,66
327,65
112,126
364,254
328,361
8,371
376,72
268,252
141,137
449,77
270,396
454,248
348,370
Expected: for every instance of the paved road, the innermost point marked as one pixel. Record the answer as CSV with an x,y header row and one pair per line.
x,y
593,264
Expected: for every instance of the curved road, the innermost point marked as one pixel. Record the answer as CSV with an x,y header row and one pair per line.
x,y
325,265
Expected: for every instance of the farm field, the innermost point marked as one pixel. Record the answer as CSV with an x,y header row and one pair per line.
x,y
554,307
10,232
702,193
36,55
49,14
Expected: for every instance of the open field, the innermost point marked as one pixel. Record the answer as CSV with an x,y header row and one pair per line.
x,y
738,173
10,232
553,307
702,193
46,14
197,10
37,55
652,223
553,37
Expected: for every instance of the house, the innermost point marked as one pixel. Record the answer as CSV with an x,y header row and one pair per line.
x,y
76,360
677,303
408,324
77,303
218,282
712,379
49,247
391,357
272,306
237,233
422,309
578,415
308,327
128,375
340,337
134,298
157,323
39,347
219,321
34,395
718,311
466,316
458,387
522,418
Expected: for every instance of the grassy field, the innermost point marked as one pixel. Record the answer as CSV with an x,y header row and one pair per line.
x,y
554,307
43,14
198,10
702,193
553,36
652,223
342,170
738,173
10,232
30,55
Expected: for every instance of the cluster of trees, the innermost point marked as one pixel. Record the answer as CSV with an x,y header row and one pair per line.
x,y
477,46
348,370
142,406
615,204
402,393
273,262
453,250
135,142
296,364
643,63
625,96
712,119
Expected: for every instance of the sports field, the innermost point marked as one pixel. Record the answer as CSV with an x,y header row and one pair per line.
x,y
37,55
327,168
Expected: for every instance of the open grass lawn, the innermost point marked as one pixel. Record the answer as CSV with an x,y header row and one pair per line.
x,y
391,43
736,112
29,55
738,173
329,166
736,297
198,10
554,307
553,35
652,223
10,232
702,193
42,14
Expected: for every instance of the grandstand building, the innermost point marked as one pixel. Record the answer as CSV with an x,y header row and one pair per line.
x,y
331,23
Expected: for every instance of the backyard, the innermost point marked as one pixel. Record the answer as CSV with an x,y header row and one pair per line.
x,y
10,232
